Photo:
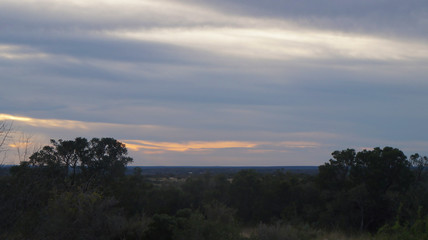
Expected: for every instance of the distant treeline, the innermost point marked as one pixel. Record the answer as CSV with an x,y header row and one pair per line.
x,y
186,171
78,189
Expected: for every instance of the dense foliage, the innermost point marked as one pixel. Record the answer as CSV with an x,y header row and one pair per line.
x,y
78,189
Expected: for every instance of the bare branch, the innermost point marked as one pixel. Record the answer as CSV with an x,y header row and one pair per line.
x,y
5,129
25,146
5,132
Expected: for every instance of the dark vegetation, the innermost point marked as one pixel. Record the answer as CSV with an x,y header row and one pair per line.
x,y
78,189
186,171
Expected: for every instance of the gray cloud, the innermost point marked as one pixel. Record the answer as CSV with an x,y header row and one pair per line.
x,y
377,17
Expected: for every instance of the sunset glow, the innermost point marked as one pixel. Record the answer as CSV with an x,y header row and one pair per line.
x,y
138,145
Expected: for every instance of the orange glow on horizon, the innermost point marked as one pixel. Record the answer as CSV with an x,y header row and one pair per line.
x,y
138,145
151,147
162,147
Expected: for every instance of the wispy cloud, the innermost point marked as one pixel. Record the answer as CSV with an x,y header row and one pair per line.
x,y
209,30
46,123
285,44
70,124
14,52
161,147
152,147
137,145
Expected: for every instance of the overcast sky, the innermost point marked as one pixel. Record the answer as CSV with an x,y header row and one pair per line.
x,y
199,82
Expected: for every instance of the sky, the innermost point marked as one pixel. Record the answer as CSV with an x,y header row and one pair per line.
x,y
217,83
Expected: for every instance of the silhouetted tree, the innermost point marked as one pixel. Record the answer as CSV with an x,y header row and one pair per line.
x,y
368,184
420,163
98,160
336,173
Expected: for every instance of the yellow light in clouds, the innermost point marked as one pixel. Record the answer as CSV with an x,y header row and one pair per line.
x,y
137,145
47,123
151,147
14,118
18,145
76,125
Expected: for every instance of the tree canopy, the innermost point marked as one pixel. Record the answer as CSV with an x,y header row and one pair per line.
x,y
74,189
90,161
